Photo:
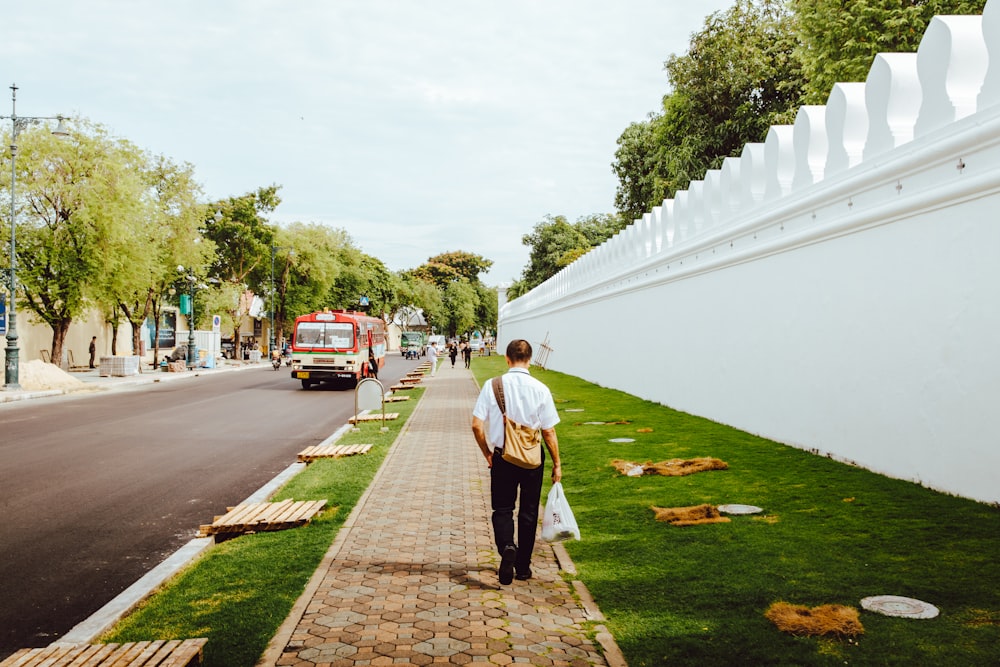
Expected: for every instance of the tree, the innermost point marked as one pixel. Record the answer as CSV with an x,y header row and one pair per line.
x,y
243,240
450,266
556,243
77,196
460,304
838,40
311,266
165,234
486,308
740,75
635,166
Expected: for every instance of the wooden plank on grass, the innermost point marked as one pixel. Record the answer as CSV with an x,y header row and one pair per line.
x,y
254,517
331,451
373,417
159,653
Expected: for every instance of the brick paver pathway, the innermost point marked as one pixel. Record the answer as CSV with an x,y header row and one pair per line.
x,y
411,578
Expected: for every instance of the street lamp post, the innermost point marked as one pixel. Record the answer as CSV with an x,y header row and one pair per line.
x,y
12,353
274,250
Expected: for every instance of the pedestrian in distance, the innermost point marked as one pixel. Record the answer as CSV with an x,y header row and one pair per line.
x,y
467,354
529,402
93,351
453,353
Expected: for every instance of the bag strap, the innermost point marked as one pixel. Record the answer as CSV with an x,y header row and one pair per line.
x,y
498,393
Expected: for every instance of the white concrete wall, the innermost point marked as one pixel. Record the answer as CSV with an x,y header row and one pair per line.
x,y
836,288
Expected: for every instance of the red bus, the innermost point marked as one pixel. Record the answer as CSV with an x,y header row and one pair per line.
x,y
337,346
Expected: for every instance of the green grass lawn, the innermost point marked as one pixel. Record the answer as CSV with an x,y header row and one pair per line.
x,y
239,593
830,534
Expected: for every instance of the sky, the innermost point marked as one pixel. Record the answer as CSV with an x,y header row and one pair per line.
x,y
417,127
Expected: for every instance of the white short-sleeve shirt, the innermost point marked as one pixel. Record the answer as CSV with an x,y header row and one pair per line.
x,y
528,402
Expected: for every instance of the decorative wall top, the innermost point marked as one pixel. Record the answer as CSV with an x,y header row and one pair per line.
x,y
907,99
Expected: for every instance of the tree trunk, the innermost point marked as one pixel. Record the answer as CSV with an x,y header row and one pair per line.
x,y
114,339
59,329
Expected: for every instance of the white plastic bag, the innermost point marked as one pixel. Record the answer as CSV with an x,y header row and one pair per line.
x,y
558,523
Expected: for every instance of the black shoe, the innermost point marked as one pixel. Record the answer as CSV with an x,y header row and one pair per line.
x,y
523,576
506,571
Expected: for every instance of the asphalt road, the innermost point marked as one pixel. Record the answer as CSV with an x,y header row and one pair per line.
x,y
96,491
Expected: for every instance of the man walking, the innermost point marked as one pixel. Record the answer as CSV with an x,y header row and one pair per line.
x,y
93,351
528,402
432,354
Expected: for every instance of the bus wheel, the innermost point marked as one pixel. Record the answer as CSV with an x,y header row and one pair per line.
x,y
306,384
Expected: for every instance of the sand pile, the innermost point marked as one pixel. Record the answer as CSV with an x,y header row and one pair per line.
x,y
36,375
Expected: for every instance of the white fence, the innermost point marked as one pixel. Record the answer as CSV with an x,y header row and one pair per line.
x,y
836,288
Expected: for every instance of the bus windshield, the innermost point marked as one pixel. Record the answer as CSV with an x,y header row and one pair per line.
x,y
325,335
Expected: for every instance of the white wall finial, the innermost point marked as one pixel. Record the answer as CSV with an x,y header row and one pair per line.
x,y
892,97
779,161
990,93
951,64
810,145
846,126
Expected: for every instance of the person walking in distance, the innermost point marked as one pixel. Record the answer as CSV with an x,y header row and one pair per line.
x,y
93,351
432,354
467,354
453,353
528,402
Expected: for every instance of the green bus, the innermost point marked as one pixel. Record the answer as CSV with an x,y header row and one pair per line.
x,y
411,343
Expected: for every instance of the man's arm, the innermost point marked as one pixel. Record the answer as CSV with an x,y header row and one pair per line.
x,y
479,431
552,444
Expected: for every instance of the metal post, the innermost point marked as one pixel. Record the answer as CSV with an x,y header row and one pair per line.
x,y
12,353
270,347
11,367
190,354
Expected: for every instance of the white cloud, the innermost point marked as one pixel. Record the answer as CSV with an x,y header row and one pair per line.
x,y
417,127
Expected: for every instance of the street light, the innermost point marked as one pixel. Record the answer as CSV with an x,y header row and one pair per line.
x,y
274,250
190,353
11,369
193,280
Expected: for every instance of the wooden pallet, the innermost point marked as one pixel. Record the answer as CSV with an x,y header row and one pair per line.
x,y
172,653
396,399
331,451
409,380
258,517
402,387
373,417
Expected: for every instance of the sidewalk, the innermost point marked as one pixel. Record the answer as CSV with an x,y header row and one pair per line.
x,y
411,577
92,380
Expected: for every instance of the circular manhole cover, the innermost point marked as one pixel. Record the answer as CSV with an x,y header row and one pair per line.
x,y
622,440
740,509
894,605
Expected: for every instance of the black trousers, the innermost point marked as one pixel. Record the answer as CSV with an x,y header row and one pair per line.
x,y
510,486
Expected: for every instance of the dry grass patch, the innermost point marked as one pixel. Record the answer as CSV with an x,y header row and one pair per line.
x,y
671,467
695,515
826,620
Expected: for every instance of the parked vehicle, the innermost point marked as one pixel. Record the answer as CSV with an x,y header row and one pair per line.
x,y
412,345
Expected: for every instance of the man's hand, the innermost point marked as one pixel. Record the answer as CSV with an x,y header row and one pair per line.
x,y
556,473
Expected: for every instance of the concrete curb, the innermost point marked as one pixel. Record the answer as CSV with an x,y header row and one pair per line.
x,y
612,653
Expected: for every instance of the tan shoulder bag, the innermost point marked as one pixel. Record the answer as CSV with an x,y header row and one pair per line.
x,y
522,445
